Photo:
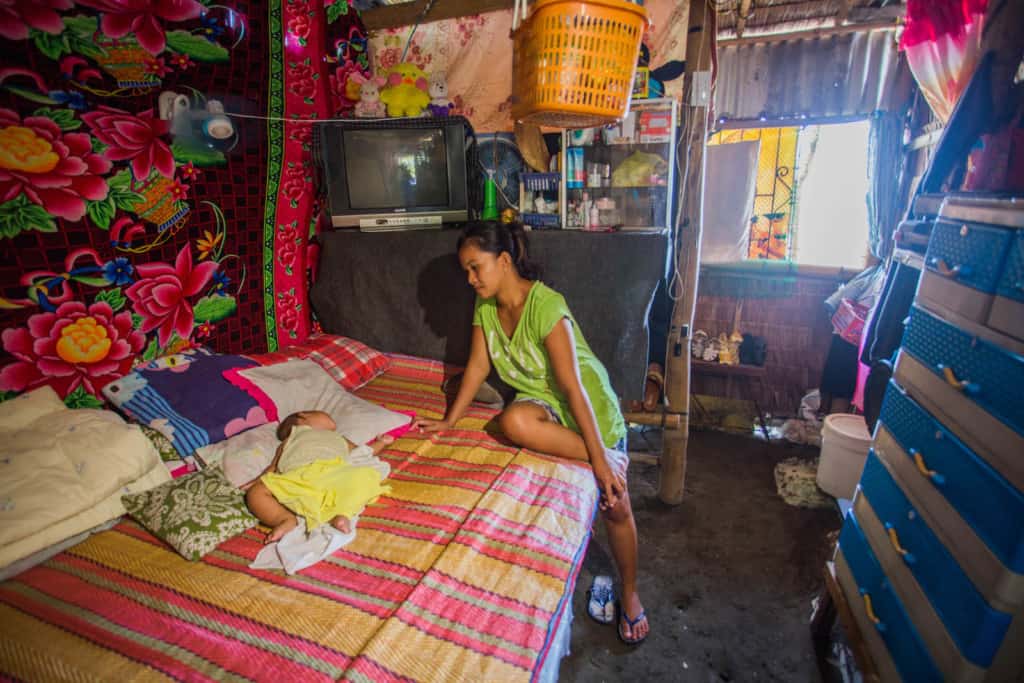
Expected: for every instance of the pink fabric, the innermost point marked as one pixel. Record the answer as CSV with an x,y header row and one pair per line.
x,y
399,431
257,394
942,39
862,375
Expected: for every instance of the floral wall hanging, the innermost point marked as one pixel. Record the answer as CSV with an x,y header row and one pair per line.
x,y
119,242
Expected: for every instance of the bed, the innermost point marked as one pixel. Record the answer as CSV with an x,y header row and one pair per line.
x,y
465,571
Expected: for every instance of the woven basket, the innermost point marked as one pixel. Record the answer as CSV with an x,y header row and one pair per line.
x,y
158,206
126,61
574,61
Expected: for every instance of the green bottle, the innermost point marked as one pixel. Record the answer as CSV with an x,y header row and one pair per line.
x,y
490,212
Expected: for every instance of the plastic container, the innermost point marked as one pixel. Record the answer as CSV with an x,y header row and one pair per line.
x,y
845,442
573,62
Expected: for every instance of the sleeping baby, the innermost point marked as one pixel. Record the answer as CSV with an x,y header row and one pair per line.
x,y
311,477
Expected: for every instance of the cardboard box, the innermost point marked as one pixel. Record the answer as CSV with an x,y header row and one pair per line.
x,y
655,126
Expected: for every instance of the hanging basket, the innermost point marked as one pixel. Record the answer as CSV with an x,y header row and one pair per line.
x,y
574,61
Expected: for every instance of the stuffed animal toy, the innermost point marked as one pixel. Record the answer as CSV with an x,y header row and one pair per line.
x,y
369,105
406,92
439,105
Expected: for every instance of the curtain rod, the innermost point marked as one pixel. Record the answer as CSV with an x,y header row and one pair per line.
x,y
811,33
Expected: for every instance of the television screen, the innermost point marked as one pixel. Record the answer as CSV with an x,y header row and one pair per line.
x,y
389,174
401,167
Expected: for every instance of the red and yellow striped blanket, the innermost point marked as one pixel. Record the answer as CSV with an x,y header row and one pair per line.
x,y
461,573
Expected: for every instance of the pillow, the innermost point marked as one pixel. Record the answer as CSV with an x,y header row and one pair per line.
x,y
244,456
193,514
303,385
23,410
186,398
351,363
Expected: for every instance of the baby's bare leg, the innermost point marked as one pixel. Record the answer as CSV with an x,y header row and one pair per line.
x,y
381,443
342,524
271,513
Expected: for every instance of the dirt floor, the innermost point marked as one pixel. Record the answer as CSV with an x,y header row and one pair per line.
x,y
727,577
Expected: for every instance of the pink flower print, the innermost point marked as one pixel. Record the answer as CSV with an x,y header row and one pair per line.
x,y
294,184
74,346
133,137
287,311
298,25
143,18
181,62
18,16
254,418
300,75
56,170
161,294
157,67
179,191
189,171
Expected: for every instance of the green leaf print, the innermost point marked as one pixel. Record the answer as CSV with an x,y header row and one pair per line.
x,y
80,398
213,308
20,215
100,212
65,118
196,47
114,297
53,46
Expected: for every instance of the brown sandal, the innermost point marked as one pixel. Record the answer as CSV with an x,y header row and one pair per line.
x,y
651,398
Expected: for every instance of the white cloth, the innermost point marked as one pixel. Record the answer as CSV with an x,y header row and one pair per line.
x,y
296,551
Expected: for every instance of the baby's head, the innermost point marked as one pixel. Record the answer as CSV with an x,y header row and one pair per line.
x,y
316,419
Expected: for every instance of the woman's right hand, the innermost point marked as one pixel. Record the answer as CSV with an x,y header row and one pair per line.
x,y
425,424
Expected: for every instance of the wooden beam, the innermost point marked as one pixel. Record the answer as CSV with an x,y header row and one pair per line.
x,y
658,419
686,251
742,14
406,13
809,34
842,13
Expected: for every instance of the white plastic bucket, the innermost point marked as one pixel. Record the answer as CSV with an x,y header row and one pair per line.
x,y
844,448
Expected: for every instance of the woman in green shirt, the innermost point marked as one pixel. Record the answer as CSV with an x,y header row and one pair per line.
x,y
564,403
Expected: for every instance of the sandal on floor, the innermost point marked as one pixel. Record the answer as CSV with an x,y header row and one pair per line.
x,y
632,624
601,600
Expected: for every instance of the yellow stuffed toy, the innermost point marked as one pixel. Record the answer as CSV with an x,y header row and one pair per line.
x,y
407,89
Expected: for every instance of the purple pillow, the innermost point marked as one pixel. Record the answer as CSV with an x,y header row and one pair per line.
x,y
186,398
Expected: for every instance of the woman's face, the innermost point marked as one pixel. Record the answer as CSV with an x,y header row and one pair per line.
x,y
484,270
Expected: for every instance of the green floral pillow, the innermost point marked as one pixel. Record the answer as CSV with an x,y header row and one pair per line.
x,y
163,445
193,514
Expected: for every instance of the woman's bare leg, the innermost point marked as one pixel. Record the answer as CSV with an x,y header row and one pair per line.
x,y
530,426
271,513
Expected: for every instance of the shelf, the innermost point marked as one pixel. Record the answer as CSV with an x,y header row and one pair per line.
x,y
619,187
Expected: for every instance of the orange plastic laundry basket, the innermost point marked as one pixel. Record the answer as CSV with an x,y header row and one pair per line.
x,y
574,61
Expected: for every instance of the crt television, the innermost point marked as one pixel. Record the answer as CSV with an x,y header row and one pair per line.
x,y
393,174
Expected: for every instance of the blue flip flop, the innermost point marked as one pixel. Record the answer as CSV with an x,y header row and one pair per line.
x,y
601,600
632,623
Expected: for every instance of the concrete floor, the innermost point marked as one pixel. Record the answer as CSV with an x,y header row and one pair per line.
x,y
727,577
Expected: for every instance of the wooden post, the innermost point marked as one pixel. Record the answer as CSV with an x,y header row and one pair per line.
x,y
700,37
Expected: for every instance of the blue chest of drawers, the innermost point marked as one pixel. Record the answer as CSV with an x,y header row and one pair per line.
x,y
935,538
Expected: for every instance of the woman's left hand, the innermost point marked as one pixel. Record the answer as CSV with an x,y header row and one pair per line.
x,y
611,485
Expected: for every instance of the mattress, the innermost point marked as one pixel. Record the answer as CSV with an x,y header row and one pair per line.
x,y
464,572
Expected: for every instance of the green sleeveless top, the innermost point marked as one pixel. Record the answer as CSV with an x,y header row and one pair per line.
x,y
523,363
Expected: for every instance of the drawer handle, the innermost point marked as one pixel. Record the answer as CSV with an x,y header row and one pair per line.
x,y
871,611
963,385
935,477
907,556
945,271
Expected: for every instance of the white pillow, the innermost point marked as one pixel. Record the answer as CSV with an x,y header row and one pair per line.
x,y
303,385
21,411
243,457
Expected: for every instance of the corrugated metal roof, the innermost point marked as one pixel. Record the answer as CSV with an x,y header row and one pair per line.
x,y
775,16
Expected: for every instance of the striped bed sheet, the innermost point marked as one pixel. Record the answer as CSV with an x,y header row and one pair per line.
x,y
463,572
